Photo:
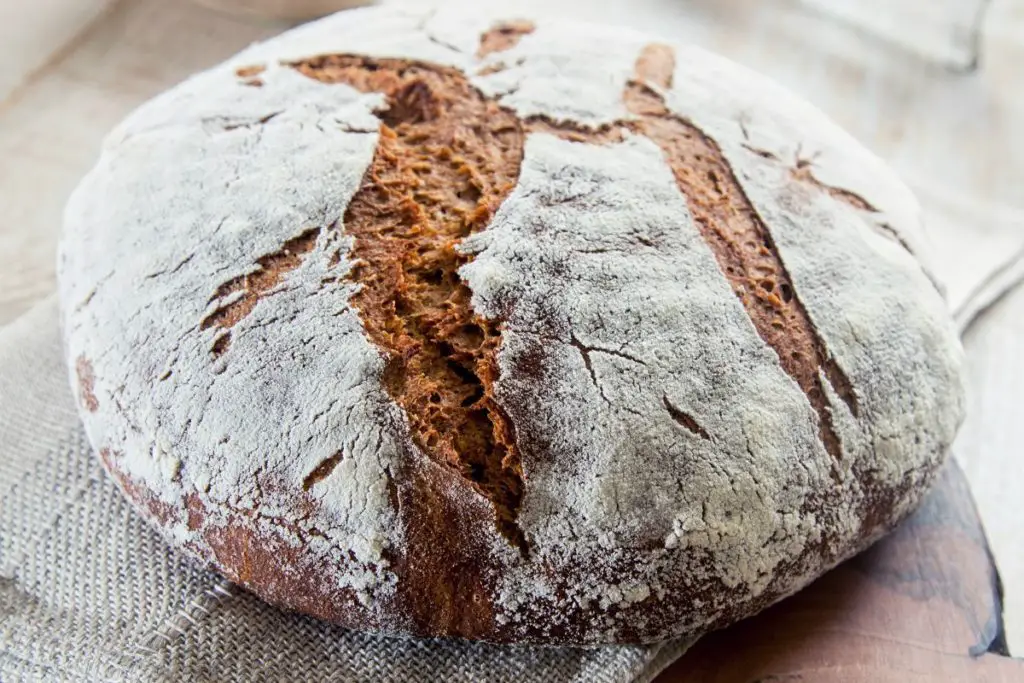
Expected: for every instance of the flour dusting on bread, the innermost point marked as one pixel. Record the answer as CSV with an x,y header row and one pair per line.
x,y
250,270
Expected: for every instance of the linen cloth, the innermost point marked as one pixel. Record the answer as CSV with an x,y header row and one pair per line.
x,y
948,31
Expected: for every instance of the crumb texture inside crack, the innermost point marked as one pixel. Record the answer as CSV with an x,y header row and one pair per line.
x,y
446,159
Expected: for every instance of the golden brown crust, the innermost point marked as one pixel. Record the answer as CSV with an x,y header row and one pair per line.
x,y
445,160
247,555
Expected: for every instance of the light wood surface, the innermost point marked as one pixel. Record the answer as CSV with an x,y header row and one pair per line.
x,y
70,69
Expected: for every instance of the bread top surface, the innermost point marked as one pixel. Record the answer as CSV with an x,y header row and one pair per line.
x,y
450,323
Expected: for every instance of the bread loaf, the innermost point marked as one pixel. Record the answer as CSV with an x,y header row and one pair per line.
x,y
451,324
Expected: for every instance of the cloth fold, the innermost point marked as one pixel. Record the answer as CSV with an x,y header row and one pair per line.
x,y
88,591
977,248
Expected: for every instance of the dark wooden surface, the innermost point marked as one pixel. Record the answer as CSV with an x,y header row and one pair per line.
x,y
921,605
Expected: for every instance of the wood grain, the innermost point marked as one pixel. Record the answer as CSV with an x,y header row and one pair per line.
x,y
921,605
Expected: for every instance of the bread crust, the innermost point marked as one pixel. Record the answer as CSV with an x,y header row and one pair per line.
x,y
454,324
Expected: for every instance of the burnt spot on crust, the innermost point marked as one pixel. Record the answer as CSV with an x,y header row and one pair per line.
x,y
271,269
446,159
503,36
740,241
86,384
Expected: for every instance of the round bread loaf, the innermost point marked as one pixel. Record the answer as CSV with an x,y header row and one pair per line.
x,y
434,323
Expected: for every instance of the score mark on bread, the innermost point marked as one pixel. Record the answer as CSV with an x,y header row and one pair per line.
x,y
270,270
742,245
445,160
741,242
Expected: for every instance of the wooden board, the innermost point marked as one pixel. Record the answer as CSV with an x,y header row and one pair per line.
x,y
922,605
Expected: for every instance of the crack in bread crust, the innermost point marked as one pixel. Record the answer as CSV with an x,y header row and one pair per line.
x,y
322,471
446,158
503,36
272,269
802,171
740,241
738,238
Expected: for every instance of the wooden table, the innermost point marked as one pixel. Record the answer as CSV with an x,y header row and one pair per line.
x,y
70,69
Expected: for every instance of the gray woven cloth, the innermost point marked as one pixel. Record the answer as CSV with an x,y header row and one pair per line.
x,y
89,592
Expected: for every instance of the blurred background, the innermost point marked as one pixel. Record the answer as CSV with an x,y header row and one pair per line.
x,y
936,87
